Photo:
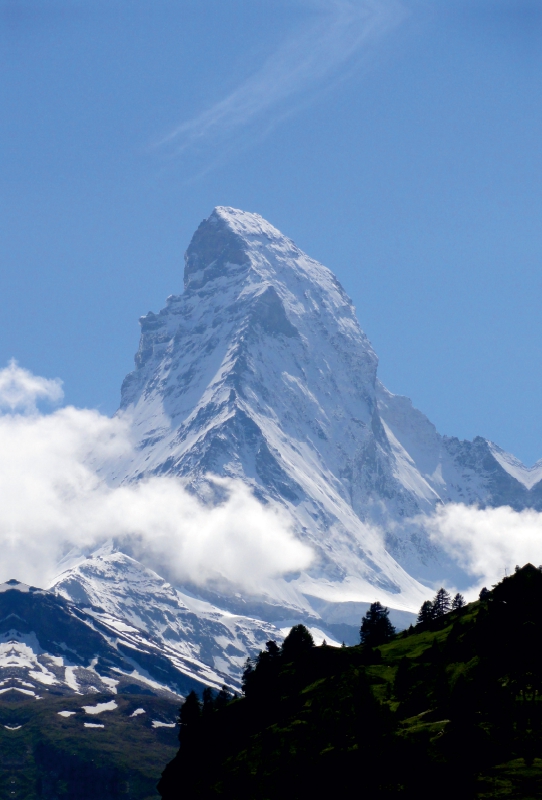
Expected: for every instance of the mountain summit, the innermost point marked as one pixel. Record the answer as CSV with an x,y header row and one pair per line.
x,y
260,371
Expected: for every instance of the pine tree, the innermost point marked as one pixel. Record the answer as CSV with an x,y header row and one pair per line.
x,y
425,614
248,676
458,601
189,718
442,603
376,628
298,641
223,698
207,702
484,593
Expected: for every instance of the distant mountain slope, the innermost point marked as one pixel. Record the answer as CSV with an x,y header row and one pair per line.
x,y
204,642
49,645
84,748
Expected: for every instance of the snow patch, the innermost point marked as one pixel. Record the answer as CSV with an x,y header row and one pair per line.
x,y
111,705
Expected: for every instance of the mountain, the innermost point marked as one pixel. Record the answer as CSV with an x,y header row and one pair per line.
x,y
206,644
88,703
260,371
448,708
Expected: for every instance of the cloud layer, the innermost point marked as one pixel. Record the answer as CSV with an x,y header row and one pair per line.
x,y
487,542
52,499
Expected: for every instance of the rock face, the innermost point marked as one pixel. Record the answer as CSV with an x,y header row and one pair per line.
x,y
260,371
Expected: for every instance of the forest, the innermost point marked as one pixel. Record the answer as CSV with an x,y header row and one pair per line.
x,y
450,708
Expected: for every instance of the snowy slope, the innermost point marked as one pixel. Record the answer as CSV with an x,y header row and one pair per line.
x,y
260,371
476,472
200,639
48,644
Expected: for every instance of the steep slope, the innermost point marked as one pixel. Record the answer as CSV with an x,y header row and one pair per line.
x,y
49,644
458,471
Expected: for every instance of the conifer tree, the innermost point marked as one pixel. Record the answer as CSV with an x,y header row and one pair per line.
x,y
376,628
207,702
223,698
442,603
458,601
298,641
484,593
425,614
189,718
248,676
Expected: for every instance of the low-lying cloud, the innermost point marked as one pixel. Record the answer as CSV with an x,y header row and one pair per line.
x,y
487,542
53,498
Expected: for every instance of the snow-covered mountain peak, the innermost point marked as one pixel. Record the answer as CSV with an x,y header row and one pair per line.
x,y
232,244
260,372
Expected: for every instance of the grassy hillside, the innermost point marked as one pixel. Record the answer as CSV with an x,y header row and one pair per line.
x,y
451,709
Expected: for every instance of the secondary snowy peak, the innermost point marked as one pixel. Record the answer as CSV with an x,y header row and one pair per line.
x,y
50,645
201,641
453,470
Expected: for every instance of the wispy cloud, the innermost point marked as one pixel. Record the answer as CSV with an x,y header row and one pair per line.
x,y
340,31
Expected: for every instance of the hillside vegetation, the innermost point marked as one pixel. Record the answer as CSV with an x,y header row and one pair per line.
x,y
451,708
51,749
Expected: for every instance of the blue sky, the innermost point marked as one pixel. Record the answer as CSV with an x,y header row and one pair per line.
x,y
397,141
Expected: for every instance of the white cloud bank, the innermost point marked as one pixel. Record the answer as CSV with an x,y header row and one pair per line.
x,y
52,499
487,542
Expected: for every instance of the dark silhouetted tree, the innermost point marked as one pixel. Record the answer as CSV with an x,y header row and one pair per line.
x,y
272,651
376,627
425,614
298,641
223,698
248,676
207,702
442,603
189,718
484,593
458,601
